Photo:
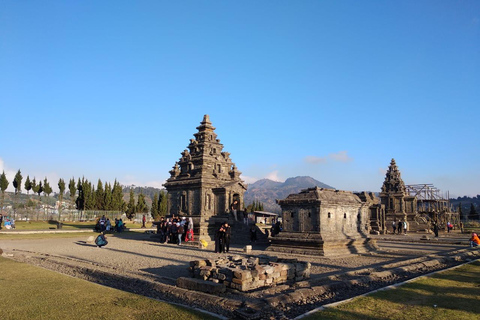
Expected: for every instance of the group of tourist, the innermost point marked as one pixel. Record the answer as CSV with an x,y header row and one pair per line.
x,y
105,225
400,227
222,238
8,223
175,230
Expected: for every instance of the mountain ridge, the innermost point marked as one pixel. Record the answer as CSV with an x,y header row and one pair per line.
x,y
268,191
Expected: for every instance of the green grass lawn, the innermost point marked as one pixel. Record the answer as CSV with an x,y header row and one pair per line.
x,y
29,292
448,295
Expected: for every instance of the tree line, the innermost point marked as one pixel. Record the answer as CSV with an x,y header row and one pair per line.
x,y
108,197
472,213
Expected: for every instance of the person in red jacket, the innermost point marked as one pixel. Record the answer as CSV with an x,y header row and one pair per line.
x,y
474,240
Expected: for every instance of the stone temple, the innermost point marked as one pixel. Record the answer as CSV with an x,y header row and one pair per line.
x,y
204,182
399,204
325,222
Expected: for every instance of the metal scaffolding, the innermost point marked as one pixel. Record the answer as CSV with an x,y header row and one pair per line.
x,y
429,198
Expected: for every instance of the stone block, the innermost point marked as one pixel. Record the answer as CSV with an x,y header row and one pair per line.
x,y
247,249
200,285
244,274
252,260
268,269
200,263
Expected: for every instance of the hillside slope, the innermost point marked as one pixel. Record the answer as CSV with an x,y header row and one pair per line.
x,y
267,191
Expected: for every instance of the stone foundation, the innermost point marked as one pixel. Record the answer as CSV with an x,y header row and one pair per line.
x,y
246,274
314,244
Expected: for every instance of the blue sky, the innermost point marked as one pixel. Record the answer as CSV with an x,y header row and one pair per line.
x,y
330,89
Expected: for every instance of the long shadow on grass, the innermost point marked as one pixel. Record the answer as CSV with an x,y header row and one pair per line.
x,y
421,294
334,314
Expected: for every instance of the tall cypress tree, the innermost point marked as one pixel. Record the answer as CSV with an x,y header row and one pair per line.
x,y
3,186
472,215
89,192
47,190
61,188
108,197
131,205
17,184
141,204
28,185
117,197
72,189
80,202
100,196
154,209
162,203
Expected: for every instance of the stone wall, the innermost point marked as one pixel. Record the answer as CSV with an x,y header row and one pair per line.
x,y
246,274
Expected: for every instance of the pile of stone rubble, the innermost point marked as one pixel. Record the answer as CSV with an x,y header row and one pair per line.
x,y
246,274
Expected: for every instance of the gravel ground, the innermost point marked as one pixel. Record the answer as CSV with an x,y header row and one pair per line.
x,y
139,253
142,258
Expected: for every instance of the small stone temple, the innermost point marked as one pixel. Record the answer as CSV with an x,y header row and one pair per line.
x,y
325,222
399,204
204,182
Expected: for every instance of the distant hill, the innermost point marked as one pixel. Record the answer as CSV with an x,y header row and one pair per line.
x,y
267,191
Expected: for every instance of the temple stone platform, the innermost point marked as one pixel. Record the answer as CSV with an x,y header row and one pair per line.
x,y
314,244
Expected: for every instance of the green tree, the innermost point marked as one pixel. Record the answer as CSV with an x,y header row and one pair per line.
x,y
61,188
472,215
130,212
162,203
38,189
107,199
117,197
34,185
154,208
89,194
141,204
100,196
47,190
17,184
80,201
28,185
3,186
72,188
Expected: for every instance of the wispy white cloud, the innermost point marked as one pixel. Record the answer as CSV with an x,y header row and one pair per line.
x,y
315,160
340,156
248,179
274,176
9,173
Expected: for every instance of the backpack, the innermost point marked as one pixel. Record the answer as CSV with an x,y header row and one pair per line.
x,y
100,240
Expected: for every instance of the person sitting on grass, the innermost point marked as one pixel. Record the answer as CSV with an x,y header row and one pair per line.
x,y
474,240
